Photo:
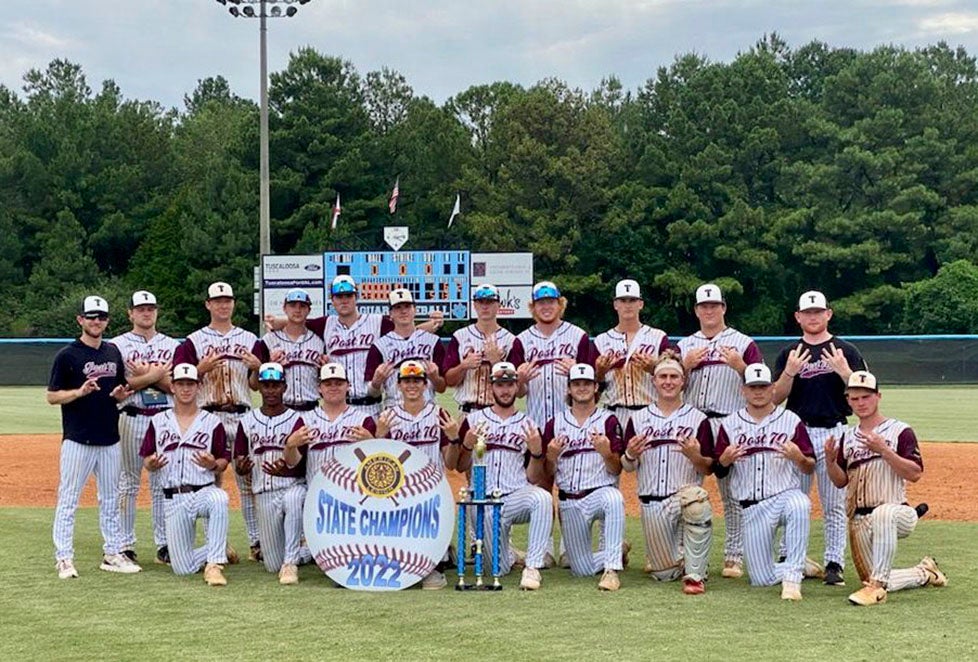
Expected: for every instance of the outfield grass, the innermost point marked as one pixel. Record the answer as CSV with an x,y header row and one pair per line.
x,y
936,413
157,616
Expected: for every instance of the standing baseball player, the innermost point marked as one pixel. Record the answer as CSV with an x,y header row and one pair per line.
x,y
405,342
811,374
186,448
88,381
148,356
279,487
876,458
765,449
297,349
423,425
584,448
715,358
670,445
626,355
222,353
474,349
515,462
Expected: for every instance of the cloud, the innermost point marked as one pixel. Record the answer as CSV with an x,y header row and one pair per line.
x,y
950,23
35,38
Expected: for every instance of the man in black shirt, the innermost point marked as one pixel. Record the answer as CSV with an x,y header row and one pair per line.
x,y
88,381
811,374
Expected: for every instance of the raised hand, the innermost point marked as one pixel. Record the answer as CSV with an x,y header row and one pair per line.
x,y
797,358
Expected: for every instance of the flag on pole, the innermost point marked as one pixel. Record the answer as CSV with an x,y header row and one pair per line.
x,y
336,212
456,210
392,205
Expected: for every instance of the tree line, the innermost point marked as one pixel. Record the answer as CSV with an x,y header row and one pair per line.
x,y
783,170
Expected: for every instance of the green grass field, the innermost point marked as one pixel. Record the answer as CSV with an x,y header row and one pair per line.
x,y
157,616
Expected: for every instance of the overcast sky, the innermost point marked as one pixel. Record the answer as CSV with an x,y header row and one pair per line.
x,y
159,49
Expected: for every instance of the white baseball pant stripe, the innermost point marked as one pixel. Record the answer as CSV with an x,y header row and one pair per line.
x,y
528,504
182,513
831,498
77,463
792,509
132,430
660,523
576,518
733,527
280,525
244,482
874,546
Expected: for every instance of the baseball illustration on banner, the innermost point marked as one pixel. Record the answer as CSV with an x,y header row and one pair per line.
x,y
379,516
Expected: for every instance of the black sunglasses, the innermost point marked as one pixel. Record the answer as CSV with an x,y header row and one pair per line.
x,y
97,316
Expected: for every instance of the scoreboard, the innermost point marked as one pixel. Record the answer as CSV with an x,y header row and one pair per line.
x,y
438,280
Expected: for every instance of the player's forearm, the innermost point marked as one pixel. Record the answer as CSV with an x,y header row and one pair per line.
x,y
291,455
220,465
536,470
806,464
907,469
613,464
703,465
836,474
63,397
782,387
438,382
139,382
455,375
450,455
629,463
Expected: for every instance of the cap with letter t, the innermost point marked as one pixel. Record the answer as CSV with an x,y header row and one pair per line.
x,y
580,371
863,379
708,293
757,374
628,289
812,300
142,298
504,371
332,371
219,290
184,372
400,295
94,306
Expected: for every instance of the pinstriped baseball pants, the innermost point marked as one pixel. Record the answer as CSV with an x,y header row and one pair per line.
x,y
280,525
77,463
874,544
831,498
132,430
576,518
182,513
790,508
244,482
528,504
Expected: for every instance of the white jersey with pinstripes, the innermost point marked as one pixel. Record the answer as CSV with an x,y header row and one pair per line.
x,y
157,350
421,346
475,387
226,384
662,467
422,432
348,346
301,363
546,393
164,437
263,439
763,471
580,466
627,382
872,481
506,448
713,386
326,435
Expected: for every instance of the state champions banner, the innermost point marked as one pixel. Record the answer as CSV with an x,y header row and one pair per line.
x,y
379,515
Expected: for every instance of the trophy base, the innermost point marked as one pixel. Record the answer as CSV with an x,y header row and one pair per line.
x,y
475,587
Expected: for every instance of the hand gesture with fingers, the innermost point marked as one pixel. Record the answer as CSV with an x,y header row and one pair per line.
x,y
275,468
381,374
694,357
90,386
205,460
601,443
563,366
121,392
360,433
156,462
837,359
791,451
527,372
555,447
250,360
797,359
873,441
472,360
731,454
243,465
300,437
448,425
645,361
732,358
690,447
492,351
604,361
831,450
277,355
534,441
636,445
137,368
385,423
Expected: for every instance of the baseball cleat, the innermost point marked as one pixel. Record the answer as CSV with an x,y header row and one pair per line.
x,y
129,554
609,581
934,575
693,587
434,581
549,561
66,569
289,574
626,547
162,555
530,581
921,509
814,570
791,591
833,574
233,558
732,569
518,557
119,563
563,561
214,575
254,553
868,596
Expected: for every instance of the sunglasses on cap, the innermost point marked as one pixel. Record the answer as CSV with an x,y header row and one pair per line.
x,y
504,375
411,370
271,375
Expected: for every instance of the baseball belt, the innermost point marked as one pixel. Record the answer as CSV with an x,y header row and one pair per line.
x,y
227,409
574,496
132,410
648,498
363,401
169,492
304,406
629,407
471,406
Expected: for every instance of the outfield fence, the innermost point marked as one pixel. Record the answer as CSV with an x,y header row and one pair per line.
x,y
905,360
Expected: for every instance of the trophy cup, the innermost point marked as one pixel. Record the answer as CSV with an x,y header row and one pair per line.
x,y
476,498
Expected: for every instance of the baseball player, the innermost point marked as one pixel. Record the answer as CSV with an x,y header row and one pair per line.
x,y
423,425
670,445
584,448
405,342
186,448
876,458
474,349
811,374
765,448
222,353
626,355
88,381
297,349
715,358
514,461
148,356
279,488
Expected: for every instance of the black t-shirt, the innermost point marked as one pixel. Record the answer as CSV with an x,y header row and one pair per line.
x,y
818,393
92,419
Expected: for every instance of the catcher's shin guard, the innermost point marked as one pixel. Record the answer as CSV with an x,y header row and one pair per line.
x,y
697,530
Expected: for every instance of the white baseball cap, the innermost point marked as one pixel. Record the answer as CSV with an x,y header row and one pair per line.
x,y
94,305
863,379
298,295
184,371
219,290
271,372
757,374
709,293
332,371
400,295
581,371
343,284
628,289
504,371
545,290
486,292
142,298
812,300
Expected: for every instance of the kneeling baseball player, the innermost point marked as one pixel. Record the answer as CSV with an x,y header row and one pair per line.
x,y
514,461
876,458
670,444
584,448
187,446
765,449
279,489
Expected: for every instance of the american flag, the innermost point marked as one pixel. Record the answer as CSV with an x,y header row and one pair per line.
x,y
336,212
392,205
